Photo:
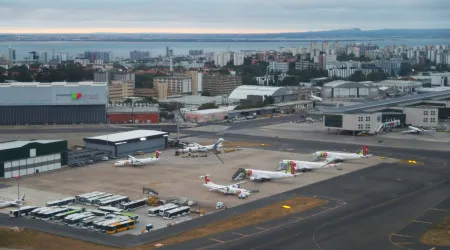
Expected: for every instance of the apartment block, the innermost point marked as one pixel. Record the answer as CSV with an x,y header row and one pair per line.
x,y
216,84
173,85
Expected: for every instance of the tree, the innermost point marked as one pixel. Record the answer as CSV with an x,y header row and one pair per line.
x,y
209,105
248,80
376,76
358,76
224,71
405,69
290,81
247,61
128,101
268,99
206,93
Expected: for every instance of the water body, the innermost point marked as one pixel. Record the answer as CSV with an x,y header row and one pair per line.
x,y
122,49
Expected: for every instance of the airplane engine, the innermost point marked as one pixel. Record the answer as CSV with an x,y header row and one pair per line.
x,y
253,178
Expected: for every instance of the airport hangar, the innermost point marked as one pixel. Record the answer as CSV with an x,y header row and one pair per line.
x,y
19,158
422,110
34,103
128,143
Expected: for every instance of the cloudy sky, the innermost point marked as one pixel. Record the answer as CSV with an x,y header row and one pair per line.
x,y
218,16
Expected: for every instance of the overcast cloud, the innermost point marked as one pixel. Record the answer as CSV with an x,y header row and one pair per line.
x,y
223,15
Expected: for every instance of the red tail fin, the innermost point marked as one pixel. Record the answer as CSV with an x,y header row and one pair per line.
x,y
207,179
157,154
293,167
365,150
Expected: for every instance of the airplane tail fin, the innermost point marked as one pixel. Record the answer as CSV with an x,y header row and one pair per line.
x,y
365,150
291,167
158,153
23,197
131,157
206,178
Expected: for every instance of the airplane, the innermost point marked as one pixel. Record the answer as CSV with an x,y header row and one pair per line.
x,y
263,175
131,161
316,98
306,166
12,203
341,156
415,130
229,189
199,148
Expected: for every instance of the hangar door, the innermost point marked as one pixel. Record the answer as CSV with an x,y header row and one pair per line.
x,y
341,92
32,165
353,92
148,146
327,92
363,91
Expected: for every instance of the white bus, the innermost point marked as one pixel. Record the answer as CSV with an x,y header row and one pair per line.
x,y
99,197
87,222
63,202
134,204
39,210
77,218
97,202
25,210
110,209
63,215
157,210
83,197
95,222
48,215
181,211
113,202
99,212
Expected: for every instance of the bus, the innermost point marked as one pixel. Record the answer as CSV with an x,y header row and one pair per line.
x,y
38,210
120,226
99,212
97,202
63,202
87,222
96,198
110,209
157,210
95,222
102,225
77,218
132,216
25,210
113,202
61,216
181,211
48,215
133,204
82,197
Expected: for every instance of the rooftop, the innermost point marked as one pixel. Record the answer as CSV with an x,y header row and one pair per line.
x,y
19,144
399,82
195,100
51,84
128,135
243,91
212,111
390,102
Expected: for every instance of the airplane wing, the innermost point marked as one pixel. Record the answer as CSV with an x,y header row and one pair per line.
x,y
260,178
217,188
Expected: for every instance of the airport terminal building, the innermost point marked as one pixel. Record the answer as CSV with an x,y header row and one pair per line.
x,y
34,103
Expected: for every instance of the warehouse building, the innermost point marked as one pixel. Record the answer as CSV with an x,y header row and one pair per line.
x,y
35,103
422,110
280,94
19,158
128,143
404,87
349,89
139,113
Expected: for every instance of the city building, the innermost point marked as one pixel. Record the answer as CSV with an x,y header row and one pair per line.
x,y
120,84
137,55
282,67
138,113
128,143
20,158
238,59
173,85
280,94
217,84
197,79
221,59
404,87
11,55
195,52
390,66
106,57
146,92
422,110
302,65
349,89
31,103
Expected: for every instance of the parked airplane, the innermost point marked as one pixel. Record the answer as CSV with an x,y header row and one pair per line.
x,y
316,98
341,156
131,161
12,203
229,189
263,175
199,148
415,130
305,166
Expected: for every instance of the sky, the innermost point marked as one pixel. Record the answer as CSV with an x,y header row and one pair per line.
x,y
218,16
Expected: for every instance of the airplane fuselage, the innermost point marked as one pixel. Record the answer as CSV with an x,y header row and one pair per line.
x,y
339,155
254,174
225,189
140,162
301,165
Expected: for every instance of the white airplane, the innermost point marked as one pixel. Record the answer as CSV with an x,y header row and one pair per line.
x,y
305,166
199,148
263,175
230,189
316,98
12,203
138,162
341,156
415,130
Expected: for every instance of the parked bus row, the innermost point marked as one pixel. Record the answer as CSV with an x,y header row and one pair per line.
x,y
169,211
102,199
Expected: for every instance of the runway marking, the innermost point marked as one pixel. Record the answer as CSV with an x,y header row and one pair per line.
x,y
239,234
419,221
401,235
216,240
261,228
438,209
404,243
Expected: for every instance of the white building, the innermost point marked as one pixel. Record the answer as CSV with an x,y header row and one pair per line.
x,y
282,67
238,59
404,87
348,89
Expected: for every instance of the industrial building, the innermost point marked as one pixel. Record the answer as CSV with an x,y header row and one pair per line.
x,y
280,94
349,89
128,143
138,113
404,87
422,110
35,103
19,158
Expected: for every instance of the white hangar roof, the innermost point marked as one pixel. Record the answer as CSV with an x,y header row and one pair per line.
x,y
243,91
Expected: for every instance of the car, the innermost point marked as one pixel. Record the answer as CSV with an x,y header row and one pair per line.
x,y
104,158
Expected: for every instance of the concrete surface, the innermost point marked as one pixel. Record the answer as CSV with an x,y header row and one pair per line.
x,y
210,128
430,137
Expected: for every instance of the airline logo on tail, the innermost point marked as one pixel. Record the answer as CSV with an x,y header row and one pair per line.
x,y
292,166
218,143
157,154
207,180
364,151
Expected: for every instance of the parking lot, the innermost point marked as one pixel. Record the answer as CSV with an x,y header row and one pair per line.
x,y
173,176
